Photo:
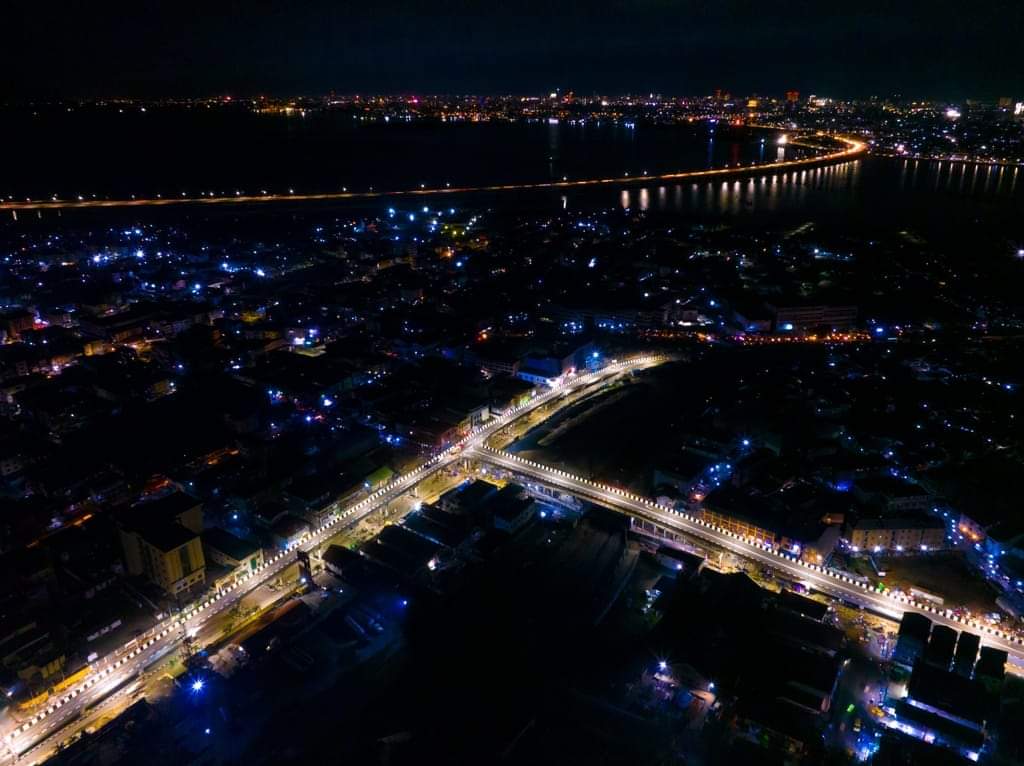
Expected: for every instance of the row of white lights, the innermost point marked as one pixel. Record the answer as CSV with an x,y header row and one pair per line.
x,y
853,147
643,501
315,536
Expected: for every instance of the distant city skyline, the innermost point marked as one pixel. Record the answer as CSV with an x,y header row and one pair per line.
x,y
922,50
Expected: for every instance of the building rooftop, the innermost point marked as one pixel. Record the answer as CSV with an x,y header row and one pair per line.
x,y
900,522
338,556
228,544
166,508
167,536
953,694
802,605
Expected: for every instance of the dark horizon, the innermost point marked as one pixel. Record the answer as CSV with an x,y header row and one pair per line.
x,y
919,50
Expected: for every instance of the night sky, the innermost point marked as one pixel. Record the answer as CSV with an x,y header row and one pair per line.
x,y
929,48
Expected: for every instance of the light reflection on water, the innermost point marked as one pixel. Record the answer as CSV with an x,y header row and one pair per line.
x,y
874,189
946,198
766,193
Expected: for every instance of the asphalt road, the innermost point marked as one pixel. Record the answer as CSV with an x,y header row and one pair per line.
x,y
29,738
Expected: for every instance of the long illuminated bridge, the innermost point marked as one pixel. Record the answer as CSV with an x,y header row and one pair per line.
x,y
849,149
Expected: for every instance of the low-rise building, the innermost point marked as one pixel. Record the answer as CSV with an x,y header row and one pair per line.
x,y
160,541
338,559
288,530
892,495
767,520
912,638
228,550
811,317
511,509
906,534
966,653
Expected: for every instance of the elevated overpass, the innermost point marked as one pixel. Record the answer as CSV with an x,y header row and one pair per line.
x,y
22,738
821,578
